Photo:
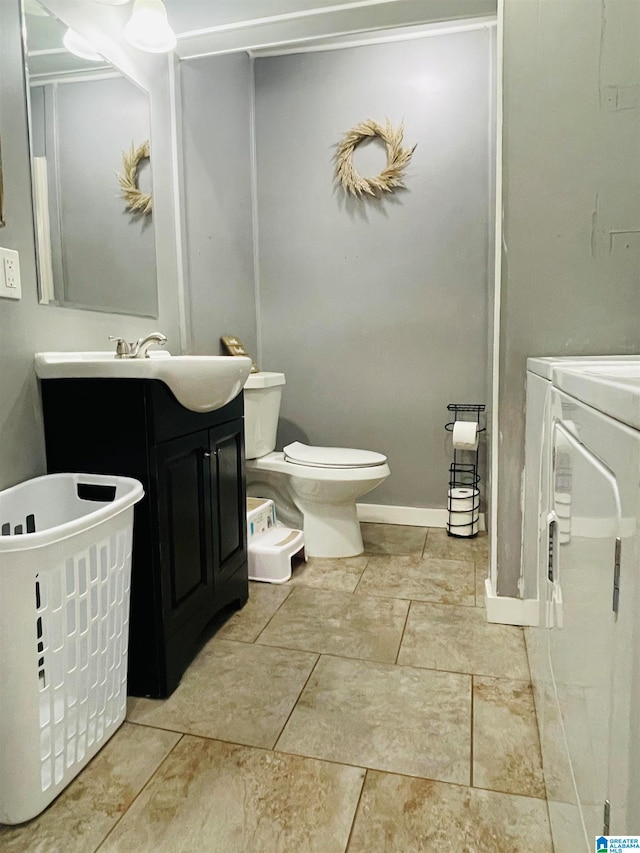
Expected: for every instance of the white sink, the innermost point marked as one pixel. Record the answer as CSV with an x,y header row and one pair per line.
x,y
200,383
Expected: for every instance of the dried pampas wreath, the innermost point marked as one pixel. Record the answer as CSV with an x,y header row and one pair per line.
x,y
397,159
136,201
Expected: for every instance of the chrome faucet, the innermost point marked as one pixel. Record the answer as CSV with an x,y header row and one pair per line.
x,y
137,349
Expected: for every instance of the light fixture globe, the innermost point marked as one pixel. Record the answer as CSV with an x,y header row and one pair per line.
x,y
79,46
148,28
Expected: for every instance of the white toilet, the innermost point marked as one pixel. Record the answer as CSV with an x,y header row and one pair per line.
x,y
315,488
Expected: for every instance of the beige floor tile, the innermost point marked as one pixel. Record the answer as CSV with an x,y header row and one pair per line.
x,y
338,623
482,572
400,719
212,796
90,807
506,747
443,581
399,815
246,624
233,691
325,573
459,639
440,544
393,539
474,550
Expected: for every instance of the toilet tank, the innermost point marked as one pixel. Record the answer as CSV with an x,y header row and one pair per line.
x,y
262,396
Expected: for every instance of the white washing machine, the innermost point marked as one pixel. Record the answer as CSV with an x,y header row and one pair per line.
x,y
538,458
537,502
585,654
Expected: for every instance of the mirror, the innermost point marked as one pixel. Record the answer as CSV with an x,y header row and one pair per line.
x,y
93,252
73,268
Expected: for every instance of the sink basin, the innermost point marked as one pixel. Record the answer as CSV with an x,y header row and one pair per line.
x,y
200,383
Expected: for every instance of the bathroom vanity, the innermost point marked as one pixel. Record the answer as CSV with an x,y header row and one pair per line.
x,y
189,545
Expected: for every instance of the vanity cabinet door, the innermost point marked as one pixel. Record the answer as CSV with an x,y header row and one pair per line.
x,y
228,499
185,536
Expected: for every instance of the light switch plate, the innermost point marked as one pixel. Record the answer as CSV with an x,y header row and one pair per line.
x,y
10,284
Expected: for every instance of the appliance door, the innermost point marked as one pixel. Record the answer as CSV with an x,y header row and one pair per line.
x,y
584,543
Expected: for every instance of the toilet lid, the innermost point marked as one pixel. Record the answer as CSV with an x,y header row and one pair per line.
x,y
331,457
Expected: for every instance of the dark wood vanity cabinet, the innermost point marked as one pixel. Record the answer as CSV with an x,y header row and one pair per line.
x,y
189,543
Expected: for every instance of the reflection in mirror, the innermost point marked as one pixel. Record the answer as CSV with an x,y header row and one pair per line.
x,y
93,252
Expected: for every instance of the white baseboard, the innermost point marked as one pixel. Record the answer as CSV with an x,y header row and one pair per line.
x,y
412,516
510,611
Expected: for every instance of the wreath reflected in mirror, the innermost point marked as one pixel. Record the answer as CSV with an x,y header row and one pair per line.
x,y
135,200
390,178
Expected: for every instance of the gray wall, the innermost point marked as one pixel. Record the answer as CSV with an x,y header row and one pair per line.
x,y
216,112
377,310
572,208
25,326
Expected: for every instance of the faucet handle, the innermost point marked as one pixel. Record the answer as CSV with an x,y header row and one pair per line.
x,y
123,348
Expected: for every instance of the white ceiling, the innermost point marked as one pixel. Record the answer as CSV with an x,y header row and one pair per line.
x,y
207,27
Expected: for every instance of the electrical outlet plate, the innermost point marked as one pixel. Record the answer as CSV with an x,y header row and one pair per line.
x,y
10,284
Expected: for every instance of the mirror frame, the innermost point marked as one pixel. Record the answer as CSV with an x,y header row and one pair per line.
x,y
2,219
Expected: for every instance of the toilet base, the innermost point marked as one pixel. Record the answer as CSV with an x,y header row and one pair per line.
x,y
332,531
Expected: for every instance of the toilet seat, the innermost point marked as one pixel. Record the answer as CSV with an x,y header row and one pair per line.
x,y
331,457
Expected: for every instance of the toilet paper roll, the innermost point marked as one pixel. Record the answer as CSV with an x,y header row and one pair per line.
x,y
464,504
461,499
463,529
462,492
462,518
465,435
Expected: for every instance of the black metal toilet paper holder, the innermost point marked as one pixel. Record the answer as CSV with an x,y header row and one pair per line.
x,y
463,473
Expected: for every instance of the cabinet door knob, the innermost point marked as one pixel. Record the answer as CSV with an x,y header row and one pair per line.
x,y
207,454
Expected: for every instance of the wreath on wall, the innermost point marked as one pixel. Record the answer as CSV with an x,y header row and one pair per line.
x,y
391,176
135,200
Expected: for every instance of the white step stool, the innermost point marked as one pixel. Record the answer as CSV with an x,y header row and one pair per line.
x,y
270,547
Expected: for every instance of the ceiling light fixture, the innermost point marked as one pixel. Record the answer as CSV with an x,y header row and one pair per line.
x,y
79,46
148,28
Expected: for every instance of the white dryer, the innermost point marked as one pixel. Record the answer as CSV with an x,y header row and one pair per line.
x,y
539,383
585,654
537,501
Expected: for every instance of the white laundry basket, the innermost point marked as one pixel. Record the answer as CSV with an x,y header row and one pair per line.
x,y
65,568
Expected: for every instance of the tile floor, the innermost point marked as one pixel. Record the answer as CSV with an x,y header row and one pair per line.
x,y
366,705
